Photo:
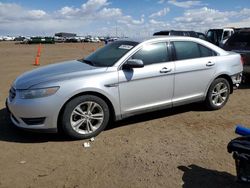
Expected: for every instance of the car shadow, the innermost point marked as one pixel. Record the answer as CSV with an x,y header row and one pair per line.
x,y
245,85
196,177
10,133
157,115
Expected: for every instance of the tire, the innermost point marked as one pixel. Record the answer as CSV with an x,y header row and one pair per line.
x,y
85,117
218,94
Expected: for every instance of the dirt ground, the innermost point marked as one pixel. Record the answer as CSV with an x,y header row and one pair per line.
x,y
180,147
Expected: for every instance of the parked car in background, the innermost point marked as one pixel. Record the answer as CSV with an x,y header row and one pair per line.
x,y
219,36
8,38
240,43
41,40
181,33
124,78
102,39
95,39
109,40
59,39
176,33
72,40
20,38
202,36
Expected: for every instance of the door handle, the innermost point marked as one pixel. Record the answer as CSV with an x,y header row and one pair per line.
x,y
165,70
210,64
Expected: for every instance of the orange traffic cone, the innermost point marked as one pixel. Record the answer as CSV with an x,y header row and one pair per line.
x,y
37,61
38,55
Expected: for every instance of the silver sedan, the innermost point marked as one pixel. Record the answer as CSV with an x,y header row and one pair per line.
x,y
124,78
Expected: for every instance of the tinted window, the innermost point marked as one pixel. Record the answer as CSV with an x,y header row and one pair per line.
x,y
226,34
240,40
177,33
193,34
153,53
210,35
161,33
214,35
186,50
206,52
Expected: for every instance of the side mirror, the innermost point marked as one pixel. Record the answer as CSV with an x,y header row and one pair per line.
x,y
133,63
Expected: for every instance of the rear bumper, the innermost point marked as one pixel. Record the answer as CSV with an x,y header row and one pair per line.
x,y
236,80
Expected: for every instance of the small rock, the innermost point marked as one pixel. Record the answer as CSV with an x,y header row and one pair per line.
x,y
42,175
22,162
92,139
86,144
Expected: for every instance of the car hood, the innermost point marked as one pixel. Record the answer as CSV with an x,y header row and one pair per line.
x,y
58,71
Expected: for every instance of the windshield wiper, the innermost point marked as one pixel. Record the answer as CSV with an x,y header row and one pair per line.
x,y
87,62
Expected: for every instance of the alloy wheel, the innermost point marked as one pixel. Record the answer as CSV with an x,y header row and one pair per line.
x,y
220,94
87,117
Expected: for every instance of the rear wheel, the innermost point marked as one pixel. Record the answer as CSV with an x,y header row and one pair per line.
x,y
85,117
218,94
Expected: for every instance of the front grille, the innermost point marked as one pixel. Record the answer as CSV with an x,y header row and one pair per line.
x,y
12,93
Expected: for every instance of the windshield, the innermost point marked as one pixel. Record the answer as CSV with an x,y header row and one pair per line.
x,y
109,54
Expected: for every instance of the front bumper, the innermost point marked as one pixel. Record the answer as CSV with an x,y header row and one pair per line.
x,y
35,115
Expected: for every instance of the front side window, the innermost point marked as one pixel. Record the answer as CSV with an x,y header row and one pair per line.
x,y
186,50
152,53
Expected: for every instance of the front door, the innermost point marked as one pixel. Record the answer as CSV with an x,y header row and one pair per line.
x,y
150,87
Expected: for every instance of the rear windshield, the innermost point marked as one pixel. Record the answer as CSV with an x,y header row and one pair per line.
x,y
110,54
240,40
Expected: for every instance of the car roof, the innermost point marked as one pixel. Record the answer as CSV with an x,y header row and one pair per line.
x,y
145,40
158,37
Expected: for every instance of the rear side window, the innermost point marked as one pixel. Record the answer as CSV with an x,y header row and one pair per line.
x,y
190,50
206,52
186,50
153,53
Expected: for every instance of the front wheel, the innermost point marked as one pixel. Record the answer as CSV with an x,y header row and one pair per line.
x,y
85,117
218,94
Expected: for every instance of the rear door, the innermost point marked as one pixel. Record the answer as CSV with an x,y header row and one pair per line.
x,y
194,69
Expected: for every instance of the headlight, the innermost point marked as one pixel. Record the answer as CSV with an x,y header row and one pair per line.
x,y
37,93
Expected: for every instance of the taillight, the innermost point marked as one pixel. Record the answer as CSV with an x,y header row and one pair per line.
x,y
242,59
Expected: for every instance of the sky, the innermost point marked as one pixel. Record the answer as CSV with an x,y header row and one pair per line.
x,y
119,17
